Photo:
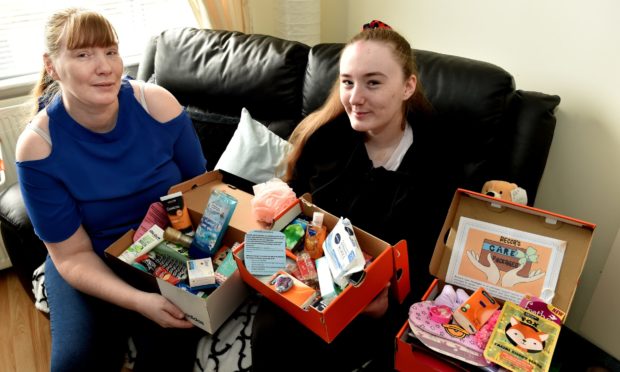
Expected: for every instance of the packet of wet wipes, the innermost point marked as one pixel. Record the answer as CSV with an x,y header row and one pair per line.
x,y
343,252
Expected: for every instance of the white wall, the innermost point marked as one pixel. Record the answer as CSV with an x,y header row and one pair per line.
x,y
566,47
262,13
333,18
600,322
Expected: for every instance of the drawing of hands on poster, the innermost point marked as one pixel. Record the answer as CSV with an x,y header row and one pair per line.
x,y
491,271
510,278
507,262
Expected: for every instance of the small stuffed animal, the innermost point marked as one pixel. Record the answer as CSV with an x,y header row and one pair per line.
x,y
505,190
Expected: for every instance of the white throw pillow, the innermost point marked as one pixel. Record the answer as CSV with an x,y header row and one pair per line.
x,y
254,152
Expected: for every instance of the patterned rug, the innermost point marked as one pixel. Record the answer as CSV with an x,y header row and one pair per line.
x,y
227,350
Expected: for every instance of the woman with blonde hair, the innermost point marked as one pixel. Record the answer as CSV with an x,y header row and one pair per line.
x,y
101,149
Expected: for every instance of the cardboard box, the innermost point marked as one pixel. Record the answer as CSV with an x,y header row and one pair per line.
x,y
390,264
210,313
412,355
577,234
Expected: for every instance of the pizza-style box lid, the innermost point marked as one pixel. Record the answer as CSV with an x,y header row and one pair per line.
x,y
196,193
526,236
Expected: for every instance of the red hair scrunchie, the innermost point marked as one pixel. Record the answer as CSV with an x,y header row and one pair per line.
x,y
375,24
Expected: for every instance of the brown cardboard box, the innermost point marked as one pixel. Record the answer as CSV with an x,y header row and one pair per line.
x,y
210,313
328,323
578,235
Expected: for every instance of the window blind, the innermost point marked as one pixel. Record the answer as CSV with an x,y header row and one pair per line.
x,y
22,27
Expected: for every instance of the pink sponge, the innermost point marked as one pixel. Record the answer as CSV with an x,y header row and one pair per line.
x,y
271,198
482,336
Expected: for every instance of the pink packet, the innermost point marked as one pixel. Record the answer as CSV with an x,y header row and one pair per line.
x,y
543,309
155,215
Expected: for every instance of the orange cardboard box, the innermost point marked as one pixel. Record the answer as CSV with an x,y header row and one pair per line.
x,y
387,262
410,354
209,313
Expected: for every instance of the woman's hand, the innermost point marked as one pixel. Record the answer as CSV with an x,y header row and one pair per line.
x,y
80,266
163,312
378,306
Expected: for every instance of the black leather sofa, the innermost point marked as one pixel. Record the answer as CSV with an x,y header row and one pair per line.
x,y
507,132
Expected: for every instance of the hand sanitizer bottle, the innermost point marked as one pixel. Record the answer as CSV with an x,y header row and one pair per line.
x,y
315,235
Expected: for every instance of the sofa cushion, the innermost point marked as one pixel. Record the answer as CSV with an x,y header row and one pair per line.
x,y
321,74
473,99
221,71
214,131
481,96
254,152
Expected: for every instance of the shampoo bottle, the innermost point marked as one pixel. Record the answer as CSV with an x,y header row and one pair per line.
x,y
315,235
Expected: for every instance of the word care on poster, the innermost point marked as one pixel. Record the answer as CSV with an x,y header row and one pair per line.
x,y
507,262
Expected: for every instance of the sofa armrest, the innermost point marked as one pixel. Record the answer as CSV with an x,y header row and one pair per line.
x,y
146,68
531,139
25,249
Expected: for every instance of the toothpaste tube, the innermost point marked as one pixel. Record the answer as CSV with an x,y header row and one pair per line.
x,y
177,212
147,241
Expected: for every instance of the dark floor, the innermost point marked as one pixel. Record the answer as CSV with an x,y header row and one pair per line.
x,y
574,353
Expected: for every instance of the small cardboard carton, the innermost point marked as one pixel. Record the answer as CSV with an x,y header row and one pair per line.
x,y
410,353
389,264
211,312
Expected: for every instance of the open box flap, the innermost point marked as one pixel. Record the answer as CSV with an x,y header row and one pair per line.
x,y
577,234
196,193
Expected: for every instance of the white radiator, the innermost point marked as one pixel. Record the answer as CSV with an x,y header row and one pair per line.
x,y
12,120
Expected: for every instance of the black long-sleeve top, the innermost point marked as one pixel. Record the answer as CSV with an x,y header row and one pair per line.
x,y
410,203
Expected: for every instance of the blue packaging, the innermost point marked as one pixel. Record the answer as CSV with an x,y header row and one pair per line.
x,y
213,225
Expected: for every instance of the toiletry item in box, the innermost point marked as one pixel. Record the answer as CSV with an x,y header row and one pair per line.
x,y
213,225
147,241
200,273
343,252
177,212
315,236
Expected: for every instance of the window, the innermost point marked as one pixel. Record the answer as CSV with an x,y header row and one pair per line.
x,y
22,27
